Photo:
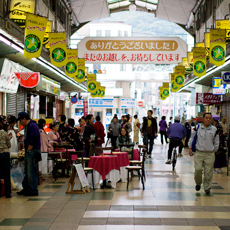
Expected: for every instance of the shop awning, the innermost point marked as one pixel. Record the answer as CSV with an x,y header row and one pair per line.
x,y
14,53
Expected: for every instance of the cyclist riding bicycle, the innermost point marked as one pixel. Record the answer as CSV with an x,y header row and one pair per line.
x,y
176,132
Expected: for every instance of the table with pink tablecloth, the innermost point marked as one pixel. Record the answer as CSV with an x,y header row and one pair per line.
x,y
73,156
105,167
123,158
135,154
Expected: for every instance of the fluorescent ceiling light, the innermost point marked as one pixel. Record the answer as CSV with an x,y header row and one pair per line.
x,y
5,41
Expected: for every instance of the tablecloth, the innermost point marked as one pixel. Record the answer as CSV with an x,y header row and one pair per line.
x,y
135,153
73,157
104,164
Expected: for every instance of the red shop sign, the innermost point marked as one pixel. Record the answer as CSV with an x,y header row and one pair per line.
x,y
28,79
207,98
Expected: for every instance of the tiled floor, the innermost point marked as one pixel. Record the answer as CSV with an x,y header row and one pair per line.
x,y
169,202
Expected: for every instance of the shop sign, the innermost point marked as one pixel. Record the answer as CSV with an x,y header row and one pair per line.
x,y
8,81
50,86
96,102
149,50
28,79
127,103
85,102
207,98
19,9
217,87
225,77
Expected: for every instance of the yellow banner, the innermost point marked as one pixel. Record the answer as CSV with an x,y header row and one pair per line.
x,y
80,77
49,28
103,91
179,76
207,43
174,88
71,67
92,83
34,35
224,25
217,47
162,97
188,69
19,9
199,61
165,89
99,91
94,94
199,44
58,49
190,59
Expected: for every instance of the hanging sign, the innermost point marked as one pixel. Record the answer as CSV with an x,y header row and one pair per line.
x,y
179,76
92,83
165,89
34,35
174,88
225,25
217,87
132,50
162,97
71,67
28,79
190,59
225,75
58,50
49,27
207,43
217,47
80,76
199,61
188,69
103,91
18,10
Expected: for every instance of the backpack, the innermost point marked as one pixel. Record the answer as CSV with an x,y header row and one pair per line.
x,y
138,125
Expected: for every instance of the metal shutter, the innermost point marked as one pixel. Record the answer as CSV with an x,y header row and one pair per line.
x,y
16,102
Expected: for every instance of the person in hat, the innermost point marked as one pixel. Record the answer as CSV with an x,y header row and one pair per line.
x,y
176,132
220,155
32,155
207,143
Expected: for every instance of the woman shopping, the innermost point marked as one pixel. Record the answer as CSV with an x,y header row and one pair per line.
x,y
53,136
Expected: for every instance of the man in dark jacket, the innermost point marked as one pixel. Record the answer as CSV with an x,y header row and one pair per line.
x,y
32,155
89,135
149,131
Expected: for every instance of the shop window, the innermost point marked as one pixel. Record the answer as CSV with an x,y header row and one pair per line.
x,y
123,67
98,33
107,33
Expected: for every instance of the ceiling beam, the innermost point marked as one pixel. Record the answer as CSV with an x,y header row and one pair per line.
x,y
126,8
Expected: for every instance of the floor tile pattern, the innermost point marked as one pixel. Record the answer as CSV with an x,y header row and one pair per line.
x,y
169,202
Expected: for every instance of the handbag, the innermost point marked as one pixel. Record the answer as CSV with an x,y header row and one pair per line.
x,y
194,140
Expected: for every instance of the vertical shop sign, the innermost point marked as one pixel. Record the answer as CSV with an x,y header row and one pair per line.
x,y
86,106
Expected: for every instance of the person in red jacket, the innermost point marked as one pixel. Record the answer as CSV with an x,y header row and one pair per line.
x,y
100,132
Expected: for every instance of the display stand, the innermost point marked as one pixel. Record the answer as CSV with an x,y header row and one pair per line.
x,y
77,169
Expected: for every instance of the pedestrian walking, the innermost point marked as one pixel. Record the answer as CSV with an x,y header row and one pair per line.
x,y
205,142
224,125
136,129
188,130
149,131
32,155
163,129
220,155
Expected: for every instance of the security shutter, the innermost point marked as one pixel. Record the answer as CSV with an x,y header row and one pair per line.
x,y
16,102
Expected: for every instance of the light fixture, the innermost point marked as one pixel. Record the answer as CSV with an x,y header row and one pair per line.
x,y
132,7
